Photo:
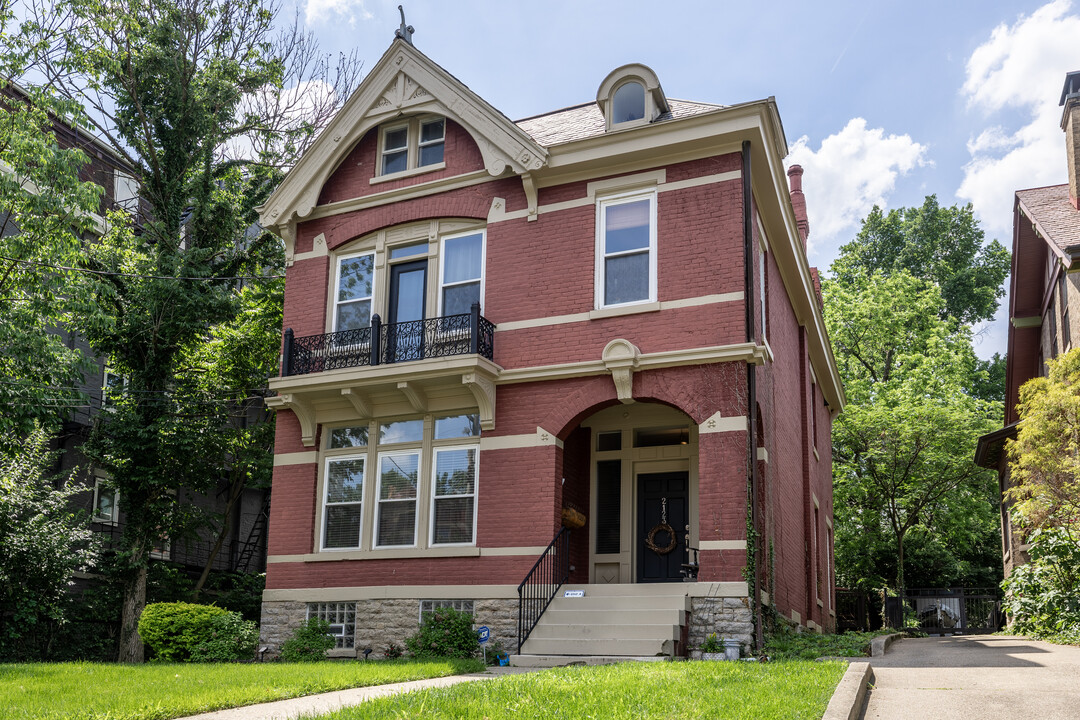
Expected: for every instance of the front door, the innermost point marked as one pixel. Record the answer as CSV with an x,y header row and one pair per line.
x,y
405,334
663,515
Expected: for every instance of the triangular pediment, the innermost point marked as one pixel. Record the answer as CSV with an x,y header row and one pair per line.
x,y
404,81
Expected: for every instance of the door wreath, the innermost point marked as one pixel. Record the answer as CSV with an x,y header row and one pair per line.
x,y
650,539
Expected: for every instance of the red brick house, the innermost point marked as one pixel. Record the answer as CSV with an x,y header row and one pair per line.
x,y
1043,286
495,328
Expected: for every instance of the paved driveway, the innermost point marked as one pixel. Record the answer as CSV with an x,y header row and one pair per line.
x,y
975,677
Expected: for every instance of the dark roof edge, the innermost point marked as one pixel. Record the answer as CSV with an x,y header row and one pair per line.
x,y
988,451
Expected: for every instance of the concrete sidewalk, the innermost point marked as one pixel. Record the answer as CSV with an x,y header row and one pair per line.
x,y
312,705
968,677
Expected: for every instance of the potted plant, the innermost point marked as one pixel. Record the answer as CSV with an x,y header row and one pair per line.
x,y
712,648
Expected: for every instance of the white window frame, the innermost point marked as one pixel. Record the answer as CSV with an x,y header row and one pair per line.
x,y
114,517
434,496
646,105
603,203
378,502
337,285
420,143
429,606
383,151
442,265
413,127
325,610
362,455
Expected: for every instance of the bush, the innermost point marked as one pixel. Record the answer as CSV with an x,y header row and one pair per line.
x,y
174,630
232,638
1042,597
393,651
445,633
309,643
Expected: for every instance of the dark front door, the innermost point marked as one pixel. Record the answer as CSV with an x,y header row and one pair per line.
x,y
405,319
663,501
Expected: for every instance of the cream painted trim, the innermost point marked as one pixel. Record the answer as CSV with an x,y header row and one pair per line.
x,y
1026,322
626,182
408,192
507,442
765,598
296,458
391,592
820,602
813,497
722,545
828,522
718,423
392,553
411,172
318,249
535,551
716,589
745,352
796,616
618,311
763,454
816,455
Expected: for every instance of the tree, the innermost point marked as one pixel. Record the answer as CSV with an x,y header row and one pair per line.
x,y
175,86
941,245
1044,459
42,544
903,447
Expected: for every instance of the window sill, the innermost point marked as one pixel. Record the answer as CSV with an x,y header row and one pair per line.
x,y
624,310
820,603
407,173
392,553
816,456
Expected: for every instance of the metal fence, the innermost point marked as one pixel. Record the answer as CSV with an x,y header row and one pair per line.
x,y
956,611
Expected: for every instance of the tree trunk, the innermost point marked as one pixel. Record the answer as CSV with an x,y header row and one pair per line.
x,y
131,645
900,562
235,491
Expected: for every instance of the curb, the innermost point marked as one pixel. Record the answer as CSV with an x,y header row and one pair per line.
x,y
850,694
881,643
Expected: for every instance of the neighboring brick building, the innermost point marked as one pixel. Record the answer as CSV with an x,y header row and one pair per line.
x,y
648,344
1044,285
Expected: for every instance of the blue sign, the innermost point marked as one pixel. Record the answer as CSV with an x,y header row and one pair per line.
x,y
483,633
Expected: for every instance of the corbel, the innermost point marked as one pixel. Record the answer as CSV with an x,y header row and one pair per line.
x,y
414,395
529,185
358,401
287,231
483,390
620,357
303,410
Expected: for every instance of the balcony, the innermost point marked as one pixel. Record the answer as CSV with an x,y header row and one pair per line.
x,y
383,344
434,365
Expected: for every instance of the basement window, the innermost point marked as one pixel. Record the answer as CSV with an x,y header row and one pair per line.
x,y
342,620
429,606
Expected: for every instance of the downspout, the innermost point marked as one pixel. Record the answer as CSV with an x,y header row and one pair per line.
x,y
752,545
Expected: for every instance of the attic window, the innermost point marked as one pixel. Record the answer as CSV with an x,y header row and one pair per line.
x,y
628,104
413,145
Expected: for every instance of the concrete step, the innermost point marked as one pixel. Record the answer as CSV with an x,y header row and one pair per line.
x,y
596,646
606,631
544,661
621,602
635,589
644,616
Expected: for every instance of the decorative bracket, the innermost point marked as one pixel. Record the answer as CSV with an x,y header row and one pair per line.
x,y
483,389
529,186
621,358
303,410
359,402
414,395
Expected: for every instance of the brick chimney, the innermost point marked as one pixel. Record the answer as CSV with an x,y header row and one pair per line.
x,y
1070,123
798,200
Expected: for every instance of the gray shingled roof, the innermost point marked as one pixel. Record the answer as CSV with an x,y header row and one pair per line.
x,y
1049,208
583,121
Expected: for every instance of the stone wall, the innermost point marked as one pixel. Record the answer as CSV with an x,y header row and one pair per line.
x,y
727,617
279,621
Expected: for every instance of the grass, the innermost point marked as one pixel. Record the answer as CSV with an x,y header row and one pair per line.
x,y
95,691
683,690
810,645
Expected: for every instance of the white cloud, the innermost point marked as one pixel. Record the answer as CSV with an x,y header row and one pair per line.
x,y
852,171
318,11
1021,68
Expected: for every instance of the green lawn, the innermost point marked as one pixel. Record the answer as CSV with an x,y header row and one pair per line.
x,y
679,690
811,645
94,691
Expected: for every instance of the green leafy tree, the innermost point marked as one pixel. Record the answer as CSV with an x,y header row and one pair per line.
x,y
194,95
903,447
943,245
42,544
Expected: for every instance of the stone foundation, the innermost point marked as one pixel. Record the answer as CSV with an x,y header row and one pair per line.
x,y
727,617
380,622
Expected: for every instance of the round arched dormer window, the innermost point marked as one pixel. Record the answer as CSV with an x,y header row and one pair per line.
x,y
628,103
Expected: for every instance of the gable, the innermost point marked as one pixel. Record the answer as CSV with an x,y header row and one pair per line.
x,y
403,82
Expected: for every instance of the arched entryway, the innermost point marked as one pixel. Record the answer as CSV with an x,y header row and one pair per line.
x,y
632,470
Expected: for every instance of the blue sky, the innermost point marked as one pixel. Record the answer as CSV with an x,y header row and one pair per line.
x,y
882,102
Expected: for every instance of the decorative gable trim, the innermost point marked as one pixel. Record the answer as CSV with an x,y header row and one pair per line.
x,y
404,81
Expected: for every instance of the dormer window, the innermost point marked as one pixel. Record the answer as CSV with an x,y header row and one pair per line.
x,y
416,144
628,104
631,96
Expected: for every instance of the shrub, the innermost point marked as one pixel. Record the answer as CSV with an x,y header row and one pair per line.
x,y
309,643
232,638
393,651
1042,597
174,630
445,633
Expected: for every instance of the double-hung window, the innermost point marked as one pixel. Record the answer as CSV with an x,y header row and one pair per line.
x,y
462,270
453,497
106,502
344,501
399,475
412,145
354,291
626,249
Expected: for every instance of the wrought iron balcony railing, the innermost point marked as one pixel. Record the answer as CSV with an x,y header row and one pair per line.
x,y
385,343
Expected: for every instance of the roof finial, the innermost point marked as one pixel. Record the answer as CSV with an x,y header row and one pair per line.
x,y
405,31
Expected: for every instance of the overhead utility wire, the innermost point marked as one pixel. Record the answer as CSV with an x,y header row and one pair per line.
x,y
137,275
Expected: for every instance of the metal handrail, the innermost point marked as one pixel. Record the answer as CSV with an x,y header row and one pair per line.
x,y
551,571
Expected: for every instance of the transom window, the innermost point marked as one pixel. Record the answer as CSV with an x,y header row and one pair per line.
x,y
416,143
626,249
